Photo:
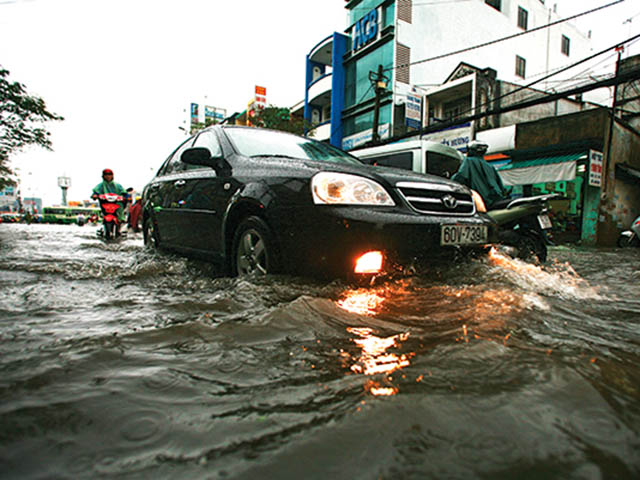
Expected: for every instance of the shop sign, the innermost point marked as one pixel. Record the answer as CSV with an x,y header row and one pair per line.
x,y
361,138
456,137
413,110
365,30
595,168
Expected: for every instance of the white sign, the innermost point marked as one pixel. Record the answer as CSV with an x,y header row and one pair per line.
x,y
595,168
456,137
413,109
361,138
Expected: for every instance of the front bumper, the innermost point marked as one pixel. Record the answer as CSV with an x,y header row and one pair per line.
x,y
330,238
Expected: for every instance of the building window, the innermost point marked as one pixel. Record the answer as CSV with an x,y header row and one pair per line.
x,y
566,45
497,4
521,66
404,10
523,18
403,59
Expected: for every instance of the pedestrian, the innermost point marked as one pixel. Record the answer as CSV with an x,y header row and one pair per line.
x,y
479,175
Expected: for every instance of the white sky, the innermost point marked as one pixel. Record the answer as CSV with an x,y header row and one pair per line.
x,y
122,72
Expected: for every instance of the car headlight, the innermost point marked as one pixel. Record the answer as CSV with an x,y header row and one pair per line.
x,y
477,199
343,189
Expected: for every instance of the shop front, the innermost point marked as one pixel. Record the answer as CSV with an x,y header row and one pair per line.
x,y
567,174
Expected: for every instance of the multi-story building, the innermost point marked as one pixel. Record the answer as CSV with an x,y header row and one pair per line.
x,y
419,44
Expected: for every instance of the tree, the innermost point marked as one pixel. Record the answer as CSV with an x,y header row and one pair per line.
x,y
279,119
20,118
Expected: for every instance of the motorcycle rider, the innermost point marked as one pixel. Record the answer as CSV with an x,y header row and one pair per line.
x,y
479,175
109,186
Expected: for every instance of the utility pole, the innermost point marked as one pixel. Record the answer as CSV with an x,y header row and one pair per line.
x,y
379,82
614,105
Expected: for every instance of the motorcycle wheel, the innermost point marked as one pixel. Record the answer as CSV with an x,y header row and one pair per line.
x,y
532,248
109,230
625,241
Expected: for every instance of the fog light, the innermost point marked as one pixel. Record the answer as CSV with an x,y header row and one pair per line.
x,y
370,262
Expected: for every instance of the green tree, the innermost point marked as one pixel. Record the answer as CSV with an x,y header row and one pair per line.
x,y
21,116
277,118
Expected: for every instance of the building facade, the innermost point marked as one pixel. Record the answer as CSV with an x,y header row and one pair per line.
x,y
414,42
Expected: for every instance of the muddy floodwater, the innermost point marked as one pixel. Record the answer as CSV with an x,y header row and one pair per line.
x,y
117,362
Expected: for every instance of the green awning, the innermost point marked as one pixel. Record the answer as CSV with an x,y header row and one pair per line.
x,y
536,162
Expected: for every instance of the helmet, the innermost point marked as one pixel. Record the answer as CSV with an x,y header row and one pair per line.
x,y
477,147
107,171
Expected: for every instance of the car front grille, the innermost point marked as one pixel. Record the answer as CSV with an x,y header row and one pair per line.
x,y
436,199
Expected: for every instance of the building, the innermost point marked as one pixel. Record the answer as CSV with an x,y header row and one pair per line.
x,y
412,42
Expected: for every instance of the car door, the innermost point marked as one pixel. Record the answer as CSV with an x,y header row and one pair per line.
x,y
203,200
168,191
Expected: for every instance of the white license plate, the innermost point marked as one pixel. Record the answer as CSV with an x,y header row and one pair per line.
x,y
544,221
463,234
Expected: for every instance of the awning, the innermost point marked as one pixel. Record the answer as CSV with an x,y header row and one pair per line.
x,y
541,170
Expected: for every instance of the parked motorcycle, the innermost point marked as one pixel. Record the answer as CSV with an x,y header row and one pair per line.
x,y
109,204
631,237
524,226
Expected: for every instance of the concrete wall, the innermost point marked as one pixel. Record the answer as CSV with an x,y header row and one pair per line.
x,y
621,202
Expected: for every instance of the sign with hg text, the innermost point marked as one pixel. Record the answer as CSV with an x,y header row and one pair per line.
x,y
365,30
595,168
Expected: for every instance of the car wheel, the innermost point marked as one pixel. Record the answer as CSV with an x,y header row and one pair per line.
x,y
149,234
254,250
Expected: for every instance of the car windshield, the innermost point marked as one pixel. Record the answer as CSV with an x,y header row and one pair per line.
x,y
254,142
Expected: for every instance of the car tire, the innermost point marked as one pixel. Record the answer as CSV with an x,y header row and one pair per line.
x,y
149,234
254,250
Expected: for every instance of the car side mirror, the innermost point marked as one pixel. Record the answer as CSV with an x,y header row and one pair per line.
x,y
198,156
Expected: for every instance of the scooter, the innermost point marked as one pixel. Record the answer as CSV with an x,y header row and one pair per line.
x,y
109,204
524,226
631,237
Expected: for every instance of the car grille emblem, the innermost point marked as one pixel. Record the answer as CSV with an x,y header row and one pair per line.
x,y
450,202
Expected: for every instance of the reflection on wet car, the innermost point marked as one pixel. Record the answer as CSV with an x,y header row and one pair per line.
x,y
257,200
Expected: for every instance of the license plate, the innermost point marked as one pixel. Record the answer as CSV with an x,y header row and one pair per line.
x,y
463,234
544,221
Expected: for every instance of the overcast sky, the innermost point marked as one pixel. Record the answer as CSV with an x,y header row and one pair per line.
x,y
122,72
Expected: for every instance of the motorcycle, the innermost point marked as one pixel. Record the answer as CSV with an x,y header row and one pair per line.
x,y
524,227
631,237
109,204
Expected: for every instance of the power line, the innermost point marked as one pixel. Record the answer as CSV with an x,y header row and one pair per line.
x,y
569,67
503,39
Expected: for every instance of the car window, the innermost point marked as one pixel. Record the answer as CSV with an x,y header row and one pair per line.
x,y
175,165
442,165
402,160
209,139
253,142
169,166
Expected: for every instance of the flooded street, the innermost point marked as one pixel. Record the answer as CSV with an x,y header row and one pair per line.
x,y
120,363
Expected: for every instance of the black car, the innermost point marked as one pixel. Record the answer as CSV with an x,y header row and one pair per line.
x,y
257,200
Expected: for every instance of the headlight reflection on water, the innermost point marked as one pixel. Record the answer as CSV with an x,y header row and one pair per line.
x,y
376,360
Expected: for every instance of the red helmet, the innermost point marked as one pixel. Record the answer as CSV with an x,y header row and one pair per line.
x,y
107,171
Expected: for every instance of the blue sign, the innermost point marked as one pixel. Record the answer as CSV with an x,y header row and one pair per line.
x,y
365,30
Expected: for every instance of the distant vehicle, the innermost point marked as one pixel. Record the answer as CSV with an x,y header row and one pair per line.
x,y
422,156
262,201
67,215
110,203
631,237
